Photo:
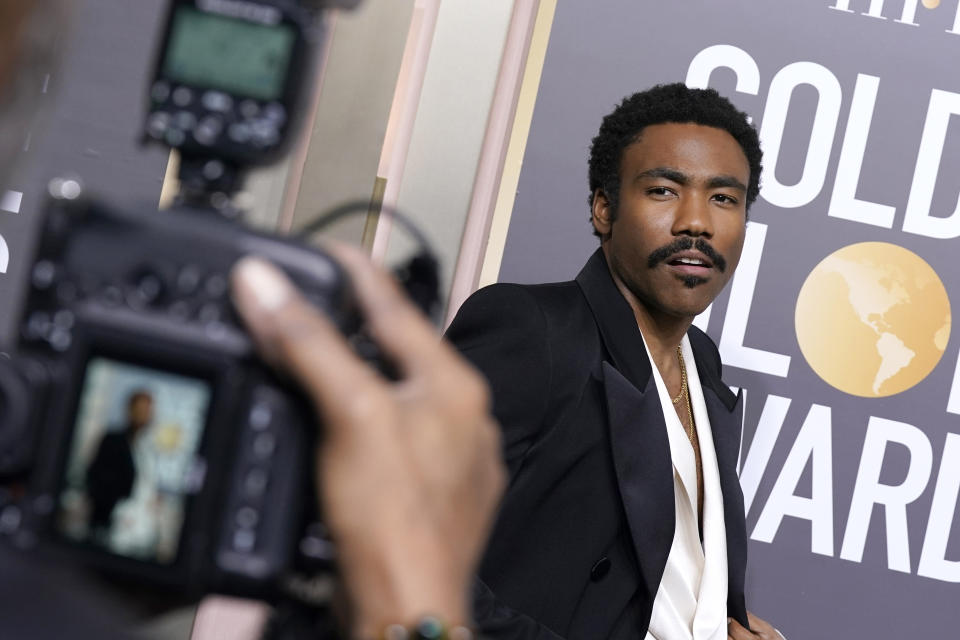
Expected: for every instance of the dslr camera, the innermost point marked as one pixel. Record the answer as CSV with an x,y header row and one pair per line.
x,y
140,435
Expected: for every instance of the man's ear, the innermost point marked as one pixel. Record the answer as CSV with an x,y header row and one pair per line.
x,y
601,213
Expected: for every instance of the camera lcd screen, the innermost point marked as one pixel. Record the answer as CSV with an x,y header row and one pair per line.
x,y
132,461
228,54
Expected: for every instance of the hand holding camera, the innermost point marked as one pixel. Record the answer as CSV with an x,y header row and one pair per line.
x,y
409,470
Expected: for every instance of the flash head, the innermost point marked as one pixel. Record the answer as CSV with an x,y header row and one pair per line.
x,y
229,79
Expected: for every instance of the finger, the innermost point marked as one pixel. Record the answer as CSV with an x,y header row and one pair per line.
x,y
736,631
298,338
759,625
400,329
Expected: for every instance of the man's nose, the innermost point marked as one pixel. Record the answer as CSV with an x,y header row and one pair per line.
x,y
693,217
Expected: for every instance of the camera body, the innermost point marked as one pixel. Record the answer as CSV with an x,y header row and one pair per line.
x,y
122,304
140,434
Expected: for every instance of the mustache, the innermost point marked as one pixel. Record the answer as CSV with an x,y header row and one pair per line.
x,y
685,244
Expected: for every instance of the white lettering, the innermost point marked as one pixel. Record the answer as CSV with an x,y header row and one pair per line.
x,y
732,350
953,402
702,320
868,491
843,5
943,104
814,443
844,203
768,430
956,22
875,10
724,55
821,137
4,255
933,561
11,201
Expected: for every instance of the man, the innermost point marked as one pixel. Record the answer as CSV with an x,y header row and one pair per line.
x,y
624,516
112,472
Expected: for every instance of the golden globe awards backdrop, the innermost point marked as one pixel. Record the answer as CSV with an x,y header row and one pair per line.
x,y
838,321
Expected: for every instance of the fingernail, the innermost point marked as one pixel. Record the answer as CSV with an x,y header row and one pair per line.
x,y
263,285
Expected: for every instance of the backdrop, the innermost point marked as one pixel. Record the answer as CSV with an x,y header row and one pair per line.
x,y
838,321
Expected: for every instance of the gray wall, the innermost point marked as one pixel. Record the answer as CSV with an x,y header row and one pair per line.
x,y
95,108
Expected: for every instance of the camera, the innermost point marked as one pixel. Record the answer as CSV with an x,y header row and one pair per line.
x,y
140,435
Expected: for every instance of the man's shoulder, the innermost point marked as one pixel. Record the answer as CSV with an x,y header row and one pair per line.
x,y
522,303
547,293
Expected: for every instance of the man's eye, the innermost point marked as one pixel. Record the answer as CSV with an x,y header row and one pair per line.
x,y
724,198
659,191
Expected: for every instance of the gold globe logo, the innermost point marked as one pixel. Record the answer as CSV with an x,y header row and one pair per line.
x,y
873,319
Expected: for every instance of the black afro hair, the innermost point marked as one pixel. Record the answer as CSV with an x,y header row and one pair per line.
x,y
662,104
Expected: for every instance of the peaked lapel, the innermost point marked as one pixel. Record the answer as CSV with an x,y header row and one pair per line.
x,y
641,457
726,421
638,436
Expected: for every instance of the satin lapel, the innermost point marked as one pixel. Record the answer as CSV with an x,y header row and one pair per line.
x,y
641,455
638,435
726,424
614,317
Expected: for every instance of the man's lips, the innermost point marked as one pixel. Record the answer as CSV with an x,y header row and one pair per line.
x,y
690,262
689,256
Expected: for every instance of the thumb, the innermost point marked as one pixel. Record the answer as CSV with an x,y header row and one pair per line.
x,y
291,334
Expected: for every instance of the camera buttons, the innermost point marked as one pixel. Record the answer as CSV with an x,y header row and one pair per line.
x,y
260,416
249,109
189,278
10,518
208,131
43,275
64,319
38,325
247,517
160,91
185,120
275,112
217,101
182,96
112,296
158,124
264,445
216,286
244,540
175,137
265,133
208,313
150,287
240,132
255,483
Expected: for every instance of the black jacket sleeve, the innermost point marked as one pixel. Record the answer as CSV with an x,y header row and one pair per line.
x,y
503,332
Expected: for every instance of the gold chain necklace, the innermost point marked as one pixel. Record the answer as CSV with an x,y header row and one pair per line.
x,y
685,392
691,435
683,376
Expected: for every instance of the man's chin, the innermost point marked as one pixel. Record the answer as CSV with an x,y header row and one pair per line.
x,y
692,282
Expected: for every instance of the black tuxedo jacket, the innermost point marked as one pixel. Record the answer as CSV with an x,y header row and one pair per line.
x,y
587,520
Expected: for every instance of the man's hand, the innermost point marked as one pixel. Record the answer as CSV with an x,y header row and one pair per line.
x,y
409,472
758,629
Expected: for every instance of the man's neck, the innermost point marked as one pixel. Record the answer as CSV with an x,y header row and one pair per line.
x,y
662,332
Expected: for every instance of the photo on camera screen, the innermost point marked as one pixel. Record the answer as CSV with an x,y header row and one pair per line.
x,y
133,459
